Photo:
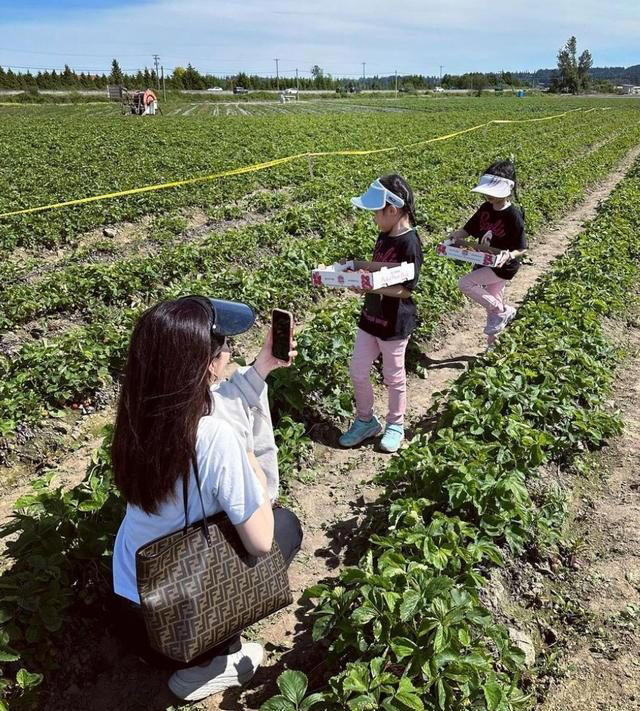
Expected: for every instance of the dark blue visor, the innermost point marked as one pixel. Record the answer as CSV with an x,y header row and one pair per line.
x,y
231,317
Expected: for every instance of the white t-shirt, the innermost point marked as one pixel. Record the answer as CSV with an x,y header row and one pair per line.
x,y
228,483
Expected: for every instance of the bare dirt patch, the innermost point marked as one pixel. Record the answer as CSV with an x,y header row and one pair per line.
x,y
601,669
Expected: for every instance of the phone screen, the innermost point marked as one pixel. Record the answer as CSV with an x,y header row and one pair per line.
x,y
281,326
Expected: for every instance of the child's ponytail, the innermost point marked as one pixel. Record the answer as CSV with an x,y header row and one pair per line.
x,y
399,186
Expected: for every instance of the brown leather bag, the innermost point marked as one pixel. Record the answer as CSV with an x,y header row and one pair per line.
x,y
199,587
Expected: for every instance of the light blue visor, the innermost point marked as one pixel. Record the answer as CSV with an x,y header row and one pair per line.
x,y
376,197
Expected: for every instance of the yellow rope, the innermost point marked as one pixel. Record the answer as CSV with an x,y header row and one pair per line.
x,y
256,167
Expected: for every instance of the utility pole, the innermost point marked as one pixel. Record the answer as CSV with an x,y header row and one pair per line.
x,y
156,61
396,83
364,64
164,86
276,60
441,74
297,86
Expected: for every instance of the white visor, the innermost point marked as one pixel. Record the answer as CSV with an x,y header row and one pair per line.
x,y
376,197
494,185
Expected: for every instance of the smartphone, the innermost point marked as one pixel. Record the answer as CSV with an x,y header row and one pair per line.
x,y
282,330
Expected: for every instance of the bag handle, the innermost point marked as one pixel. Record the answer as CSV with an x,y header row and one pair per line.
x,y
185,494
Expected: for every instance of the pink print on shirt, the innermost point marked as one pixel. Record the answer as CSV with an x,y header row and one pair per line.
x,y
496,227
389,256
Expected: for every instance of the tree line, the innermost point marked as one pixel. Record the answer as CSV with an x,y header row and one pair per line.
x,y
574,74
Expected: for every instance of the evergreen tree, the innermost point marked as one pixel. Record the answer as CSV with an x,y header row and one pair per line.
x,y
585,62
69,78
572,74
12,80
116,76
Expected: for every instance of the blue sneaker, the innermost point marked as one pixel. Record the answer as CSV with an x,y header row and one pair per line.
x,y
360,430
392,438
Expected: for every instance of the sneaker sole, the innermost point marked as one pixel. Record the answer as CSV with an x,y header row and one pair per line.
x,y
186,692
391,451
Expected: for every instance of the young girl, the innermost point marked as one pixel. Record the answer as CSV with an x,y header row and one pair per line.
x,y
499,227
388,316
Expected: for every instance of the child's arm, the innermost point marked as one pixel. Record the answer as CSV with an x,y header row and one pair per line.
x,y
458,236
514,254
397,291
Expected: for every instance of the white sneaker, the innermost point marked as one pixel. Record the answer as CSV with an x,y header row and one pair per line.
x,y
493,320
196,683
502,321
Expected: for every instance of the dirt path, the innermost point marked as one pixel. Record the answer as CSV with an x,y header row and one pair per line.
x,y
601,671
332,505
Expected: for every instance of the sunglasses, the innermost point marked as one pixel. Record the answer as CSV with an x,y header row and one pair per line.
x,y
219,344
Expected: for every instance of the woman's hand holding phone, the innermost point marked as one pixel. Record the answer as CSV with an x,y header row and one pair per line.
x,y
267,362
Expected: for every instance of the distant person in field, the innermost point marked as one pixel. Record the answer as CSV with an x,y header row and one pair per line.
x,y
499,228
175,402
388,316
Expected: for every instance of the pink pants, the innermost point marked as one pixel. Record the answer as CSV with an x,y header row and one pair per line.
x,y
365,351
485,288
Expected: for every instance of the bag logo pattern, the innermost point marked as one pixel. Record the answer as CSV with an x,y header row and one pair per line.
x,y
195,596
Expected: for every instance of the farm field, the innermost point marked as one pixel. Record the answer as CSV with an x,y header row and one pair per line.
x,y
70,294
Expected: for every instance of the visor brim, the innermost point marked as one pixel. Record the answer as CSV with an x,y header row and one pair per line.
x,y
373,199
231,317
498,191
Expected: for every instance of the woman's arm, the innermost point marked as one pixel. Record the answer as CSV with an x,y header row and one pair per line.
x,y
256,533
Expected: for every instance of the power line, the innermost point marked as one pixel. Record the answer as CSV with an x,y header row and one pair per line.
x,y
262,72
65,54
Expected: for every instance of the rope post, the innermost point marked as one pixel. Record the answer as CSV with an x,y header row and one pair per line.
x,y
310,166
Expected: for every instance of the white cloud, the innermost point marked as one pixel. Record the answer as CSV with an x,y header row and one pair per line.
x,y
410,35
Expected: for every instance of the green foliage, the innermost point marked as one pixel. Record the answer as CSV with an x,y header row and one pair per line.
x,y
60,543
407,624
292,697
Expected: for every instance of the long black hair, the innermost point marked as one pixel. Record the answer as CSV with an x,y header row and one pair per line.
x,y
399,186
506,169
164,394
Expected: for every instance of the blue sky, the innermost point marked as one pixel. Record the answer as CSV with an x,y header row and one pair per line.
x,y
226,36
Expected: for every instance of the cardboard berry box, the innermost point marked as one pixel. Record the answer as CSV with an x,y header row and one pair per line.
x,y
358,274
446,249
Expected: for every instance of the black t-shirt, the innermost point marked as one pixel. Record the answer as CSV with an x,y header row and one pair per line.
x,y
386,317
507,227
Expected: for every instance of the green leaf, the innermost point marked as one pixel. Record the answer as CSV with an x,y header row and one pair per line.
x,y
403,647
442,695
293,685
8,655
277,703
28,680
410,700
410,601
493,694
365,702
362,615
312,700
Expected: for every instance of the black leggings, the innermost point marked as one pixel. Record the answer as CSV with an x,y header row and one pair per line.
x,y
130,623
